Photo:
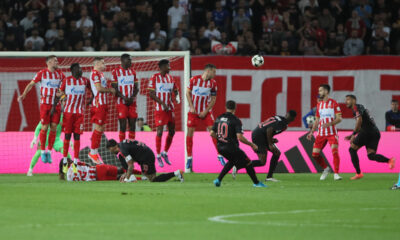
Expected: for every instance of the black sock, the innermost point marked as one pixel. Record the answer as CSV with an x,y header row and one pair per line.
x,y
164,177
257,163
377,157
272,165
252,173
228,166
355,160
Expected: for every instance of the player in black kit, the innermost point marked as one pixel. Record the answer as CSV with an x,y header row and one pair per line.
x,y
365,134
227,129
262,136
135,151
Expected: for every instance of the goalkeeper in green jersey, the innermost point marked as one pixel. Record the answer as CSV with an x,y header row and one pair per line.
x,y
58,145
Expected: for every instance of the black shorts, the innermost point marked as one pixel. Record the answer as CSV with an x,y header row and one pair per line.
x,y
368,139
259,138
147,163
234,154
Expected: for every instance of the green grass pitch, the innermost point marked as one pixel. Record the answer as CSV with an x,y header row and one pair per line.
x,y
299,207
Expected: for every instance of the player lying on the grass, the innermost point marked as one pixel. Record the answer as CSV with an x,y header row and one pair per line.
x,y
328,115
126,86
228,130
50,79
161,87
58,145
365,133
134,151
263,135
73,89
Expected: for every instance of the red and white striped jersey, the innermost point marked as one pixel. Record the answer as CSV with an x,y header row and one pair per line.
x,y
85,173
326,112
126,80
100,98
75,91
50,82
163,86
202,90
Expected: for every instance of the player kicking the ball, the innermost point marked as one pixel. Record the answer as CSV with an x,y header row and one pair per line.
x,y
263,135
100,106
201,96
227,129
50,80
365,133
327,116
134,151
126,86
161,87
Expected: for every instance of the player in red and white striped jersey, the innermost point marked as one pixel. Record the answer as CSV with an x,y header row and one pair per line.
x,y
73,88
201,96
126,86
100,106
328,115
50,80
161,87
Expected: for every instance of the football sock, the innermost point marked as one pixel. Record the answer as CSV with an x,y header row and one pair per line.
x,y
158,144
42,138
65,160
121,136
65,148
336,160
250,171
132,135
75,161
228,166
272,165
317,157
189,145
35,158
52,138
355,160
168,142
96,139
398,182
164,177
377,157
77,144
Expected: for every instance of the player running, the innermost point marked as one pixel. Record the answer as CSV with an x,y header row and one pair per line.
x,y
365,133
227,129
126,87
50,79
201,96
100,106
161,87
73,89
134,151
327,116
263,135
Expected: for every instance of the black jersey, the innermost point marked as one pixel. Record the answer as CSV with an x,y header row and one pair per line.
x,y
226,126
368,123
136,151
277,123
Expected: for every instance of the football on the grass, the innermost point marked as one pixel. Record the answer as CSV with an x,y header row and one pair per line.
x,y
257,60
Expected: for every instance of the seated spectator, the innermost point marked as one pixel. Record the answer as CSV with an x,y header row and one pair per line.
x,y
85,20
10,44
74,34
175,15
393,117
153,46
115,45
132,43
36,41
289,23
341,36
158,35
320,34
211,32
356,23
309,47
284,49
108,33
353,46
238,21
183,42
326,20
380,30
364,10
60,44
269,19
51,34
220,16
332,47
56,6
142,126
378,46
312,4
27,22
87,46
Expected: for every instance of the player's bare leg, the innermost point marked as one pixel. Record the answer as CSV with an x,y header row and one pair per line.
x,y
316,154
158,145
168,141
122,129
356,162
189,147
336,162
132,128
96,139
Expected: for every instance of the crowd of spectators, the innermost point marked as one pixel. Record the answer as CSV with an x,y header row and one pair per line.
x,y
272,27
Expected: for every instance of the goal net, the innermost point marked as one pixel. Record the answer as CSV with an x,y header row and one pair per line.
x,y
18,69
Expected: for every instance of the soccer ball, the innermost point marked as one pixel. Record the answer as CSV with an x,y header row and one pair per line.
x,y
257,60
310,119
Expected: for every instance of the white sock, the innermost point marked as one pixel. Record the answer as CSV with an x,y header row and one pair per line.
x,y
219,155
189,158
42,151
75,161
177,172
164,152
93,151
65,161
158,155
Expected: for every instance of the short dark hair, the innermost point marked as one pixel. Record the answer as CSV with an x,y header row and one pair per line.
x,y
97,59
163,62
326,86
231,105
292,113
351,96
48,58
111,143
395,101
211,66
74,65
125,55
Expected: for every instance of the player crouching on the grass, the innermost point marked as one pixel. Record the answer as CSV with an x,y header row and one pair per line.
x,y
135,151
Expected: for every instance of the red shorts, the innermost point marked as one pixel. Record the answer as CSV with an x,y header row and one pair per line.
x,y
193,119
72,123
162,118
320,141
45,117
106,172
99,114
125,111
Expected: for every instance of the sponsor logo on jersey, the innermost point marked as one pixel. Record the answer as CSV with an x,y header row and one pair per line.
x,y
165,88
77,90
126,81
52,84
200,91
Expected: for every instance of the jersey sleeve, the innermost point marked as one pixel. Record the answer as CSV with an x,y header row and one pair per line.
x,y
214,89
114,76
238,126
317,112
95,78
38,77
63,84
152,83
337,108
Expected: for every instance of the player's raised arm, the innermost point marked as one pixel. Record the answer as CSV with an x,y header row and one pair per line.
x,y
26,90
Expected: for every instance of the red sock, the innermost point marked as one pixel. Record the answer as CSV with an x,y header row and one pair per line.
x,y
121,136
189,145
317,157
336,160
52,138
168,142
66,147
42,138
215,143
158,144
96,139
77,145
132,135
